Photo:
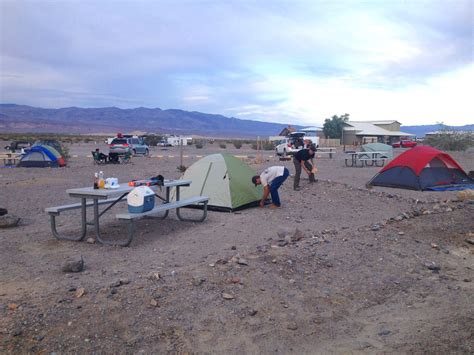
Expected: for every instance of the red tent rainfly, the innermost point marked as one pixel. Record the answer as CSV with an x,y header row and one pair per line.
x,y
421,168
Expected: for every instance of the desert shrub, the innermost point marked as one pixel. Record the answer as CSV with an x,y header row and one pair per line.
x,y
181,168
264,145
153,139
237,144
450,140
222,145
65,151
199,144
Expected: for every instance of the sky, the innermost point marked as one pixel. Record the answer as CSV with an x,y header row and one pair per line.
x,y
292,62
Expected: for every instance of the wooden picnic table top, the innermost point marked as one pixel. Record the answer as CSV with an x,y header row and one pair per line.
x,y
6,155
90,192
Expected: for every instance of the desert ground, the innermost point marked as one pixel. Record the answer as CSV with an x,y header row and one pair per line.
x,y
338,268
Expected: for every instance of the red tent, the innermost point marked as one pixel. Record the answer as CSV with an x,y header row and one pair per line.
x,y
421,168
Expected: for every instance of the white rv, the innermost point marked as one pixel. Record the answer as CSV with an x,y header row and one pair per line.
x,y
175,140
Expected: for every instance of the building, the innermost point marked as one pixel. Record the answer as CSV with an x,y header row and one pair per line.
x,y
285,132
313,131
362,132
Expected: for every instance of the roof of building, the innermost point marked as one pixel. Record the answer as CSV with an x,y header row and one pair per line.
x,y
311,129
379,122
370,129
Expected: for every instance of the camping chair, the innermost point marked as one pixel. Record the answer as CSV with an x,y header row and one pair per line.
x,y
125,158
99,158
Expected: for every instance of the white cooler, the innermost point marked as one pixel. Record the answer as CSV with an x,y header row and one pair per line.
x,y
141,199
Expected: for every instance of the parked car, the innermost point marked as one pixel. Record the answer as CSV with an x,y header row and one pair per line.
x,y
404,144
133,145
163,143
19,146
293,143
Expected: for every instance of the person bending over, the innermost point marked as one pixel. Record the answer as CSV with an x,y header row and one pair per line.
x,y
301,161
271,179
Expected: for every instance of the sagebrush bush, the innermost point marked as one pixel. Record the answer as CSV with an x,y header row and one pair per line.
x,y
222,145
264,145
237,144
453,141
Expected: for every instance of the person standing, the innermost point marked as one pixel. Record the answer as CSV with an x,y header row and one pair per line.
x,y
271,179
301,161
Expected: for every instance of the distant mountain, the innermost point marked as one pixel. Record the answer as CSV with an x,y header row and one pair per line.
x,y
20,118
420,131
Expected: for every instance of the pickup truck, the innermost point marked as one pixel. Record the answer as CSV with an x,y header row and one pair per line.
x,y
404,144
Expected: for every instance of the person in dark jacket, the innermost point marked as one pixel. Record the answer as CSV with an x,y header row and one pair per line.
x,y
301,160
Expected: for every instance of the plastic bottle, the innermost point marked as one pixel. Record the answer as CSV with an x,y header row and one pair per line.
x,y
96,181
101,180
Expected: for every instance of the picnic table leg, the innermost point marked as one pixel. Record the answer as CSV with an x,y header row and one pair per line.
x,y
97,229
83,220
202,218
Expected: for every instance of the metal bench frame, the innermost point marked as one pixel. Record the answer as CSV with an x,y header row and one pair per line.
x,y
165,207
56,211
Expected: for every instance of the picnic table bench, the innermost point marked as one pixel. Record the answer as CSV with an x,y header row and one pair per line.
x,y
361,159
91,197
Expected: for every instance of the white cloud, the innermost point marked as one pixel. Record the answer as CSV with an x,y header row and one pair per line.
x,y
283,61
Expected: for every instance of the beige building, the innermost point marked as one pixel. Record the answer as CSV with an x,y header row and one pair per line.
x,y
362,132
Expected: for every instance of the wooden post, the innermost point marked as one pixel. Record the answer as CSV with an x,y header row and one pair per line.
x,y
181,152
258,160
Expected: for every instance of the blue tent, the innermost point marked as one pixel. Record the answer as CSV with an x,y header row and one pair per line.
x,y
40,156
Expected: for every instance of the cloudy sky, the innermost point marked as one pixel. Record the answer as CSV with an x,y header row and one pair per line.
x,y
271,60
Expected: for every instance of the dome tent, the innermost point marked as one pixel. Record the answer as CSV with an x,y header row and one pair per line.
x,y
422,168
225,179
378,147
40,156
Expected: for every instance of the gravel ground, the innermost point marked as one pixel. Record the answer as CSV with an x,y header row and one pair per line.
x,y
338,268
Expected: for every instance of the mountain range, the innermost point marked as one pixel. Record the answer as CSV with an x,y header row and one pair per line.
x,y
74,120
420,131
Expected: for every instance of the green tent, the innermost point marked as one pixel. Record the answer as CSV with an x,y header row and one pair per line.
x,y
225,179
378,147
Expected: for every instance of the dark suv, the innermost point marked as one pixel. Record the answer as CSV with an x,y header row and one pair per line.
x,y
133,145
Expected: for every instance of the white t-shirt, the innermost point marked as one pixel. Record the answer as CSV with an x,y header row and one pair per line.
x,y
271,173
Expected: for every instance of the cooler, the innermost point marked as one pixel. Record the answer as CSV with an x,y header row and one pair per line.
x,y
141,199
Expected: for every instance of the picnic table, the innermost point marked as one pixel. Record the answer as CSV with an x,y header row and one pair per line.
x,y
90,197
329,151
10,159
361,159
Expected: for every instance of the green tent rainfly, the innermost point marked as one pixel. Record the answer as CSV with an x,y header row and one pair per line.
x,y
378,147
225,179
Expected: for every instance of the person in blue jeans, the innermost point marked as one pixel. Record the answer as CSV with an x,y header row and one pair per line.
x,y
271,179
